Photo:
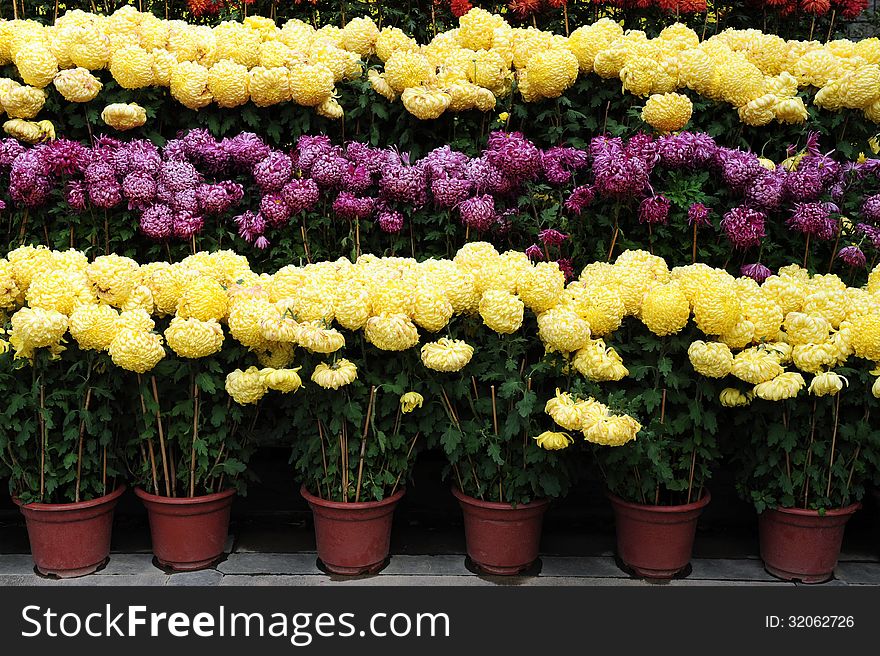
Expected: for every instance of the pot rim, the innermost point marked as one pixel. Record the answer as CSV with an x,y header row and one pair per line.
x,y
830,512
496,505
353,505
702,502
80,505
141,493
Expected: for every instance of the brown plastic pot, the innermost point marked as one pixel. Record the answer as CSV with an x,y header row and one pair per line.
x,y
501,539
656,542
189,533
802,545
70,539
353,538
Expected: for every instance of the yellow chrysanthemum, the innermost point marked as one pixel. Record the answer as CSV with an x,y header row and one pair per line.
x,y
246,387
501,311
827,384
94,326
541,287
285,381
665,309
339,374
391,332
136,350
23,102
553,441
561,329
189,85
425,103
311,85
38,328
599,363
733,398
667,112
124,116
446,354
410,401
132,67
755,366
228,83
784,386
192,338
712,359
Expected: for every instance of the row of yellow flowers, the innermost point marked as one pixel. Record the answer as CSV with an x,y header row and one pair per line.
x,y
763,336
471,66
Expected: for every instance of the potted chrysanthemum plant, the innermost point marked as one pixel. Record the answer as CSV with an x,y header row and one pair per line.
x,y
489,385
357,418
655,431
192,446
59,441
804,462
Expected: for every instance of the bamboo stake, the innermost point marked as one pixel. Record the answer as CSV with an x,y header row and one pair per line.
x,y
494,412
42,441
192,459
168,483
408,454
149,441
357,494
104,473
809,459
474,383
343,443
82,432
663,407
833,444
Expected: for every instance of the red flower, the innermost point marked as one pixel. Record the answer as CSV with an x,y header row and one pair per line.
x,y
524,8
460,7
816,7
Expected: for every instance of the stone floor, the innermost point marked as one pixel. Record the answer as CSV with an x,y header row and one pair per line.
x,y
273,552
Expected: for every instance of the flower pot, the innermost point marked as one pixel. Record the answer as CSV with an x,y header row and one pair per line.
x,y
656,542
802,545
502,539
188,533
70,539
353,538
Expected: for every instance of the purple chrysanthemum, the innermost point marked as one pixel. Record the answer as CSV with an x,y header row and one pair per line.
x,y
350,207
275,209
744,226
757,272
739,169
768,190
404,184
245,150
105,194
852,255
514,155
579,199
329,169
814,219
139,188
250,226
389,220
654,210
186,224
478,212
273,172
566,267
551,237
449,192
871,232
535,253
301,195
156,222
698,214
75,195
871,209
177,176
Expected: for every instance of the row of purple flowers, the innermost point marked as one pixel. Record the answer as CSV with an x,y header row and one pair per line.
x,y
196,177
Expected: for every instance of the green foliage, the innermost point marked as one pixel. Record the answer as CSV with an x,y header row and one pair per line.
x,y
61,427
355,443
191,438
813,453
493,409
671,460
